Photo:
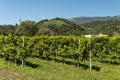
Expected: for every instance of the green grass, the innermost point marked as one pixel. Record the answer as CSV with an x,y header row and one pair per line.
x,y
50,70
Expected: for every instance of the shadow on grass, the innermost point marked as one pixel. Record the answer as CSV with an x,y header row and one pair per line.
x,y
114,62
26,63
84,66
31,64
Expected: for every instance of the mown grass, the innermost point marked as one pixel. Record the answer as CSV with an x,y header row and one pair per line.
x,y
39,69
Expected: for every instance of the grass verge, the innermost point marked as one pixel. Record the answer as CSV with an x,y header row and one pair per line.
x,y
51,70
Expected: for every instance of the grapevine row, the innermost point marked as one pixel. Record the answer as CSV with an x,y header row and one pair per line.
x,y
15,48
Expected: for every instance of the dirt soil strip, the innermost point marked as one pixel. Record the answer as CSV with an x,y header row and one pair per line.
x,y
10,73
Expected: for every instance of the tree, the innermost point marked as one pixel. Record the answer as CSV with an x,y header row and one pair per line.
x,y
27,28
6,29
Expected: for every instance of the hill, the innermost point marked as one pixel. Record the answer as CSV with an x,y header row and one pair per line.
x,y
81,20
61,26
58,26
109,27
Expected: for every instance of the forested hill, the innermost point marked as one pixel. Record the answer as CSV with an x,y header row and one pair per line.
x,y
56,26
60,26
109,27
81,20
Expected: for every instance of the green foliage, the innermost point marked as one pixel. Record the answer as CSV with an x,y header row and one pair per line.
x,y
77,49
12,48
99,46
6,29
114,47
59,26
27,28
108,27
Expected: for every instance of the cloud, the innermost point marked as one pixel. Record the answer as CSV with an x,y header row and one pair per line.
x,y
43,17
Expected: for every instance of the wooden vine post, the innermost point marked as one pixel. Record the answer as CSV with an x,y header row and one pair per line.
x,y
90,54
23,48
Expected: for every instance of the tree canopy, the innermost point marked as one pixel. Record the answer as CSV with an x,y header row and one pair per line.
x,y
27,28
60,26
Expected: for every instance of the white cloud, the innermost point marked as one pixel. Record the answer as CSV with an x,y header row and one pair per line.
x,y
43,17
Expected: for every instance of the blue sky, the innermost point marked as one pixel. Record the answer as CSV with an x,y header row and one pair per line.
x,y
36,10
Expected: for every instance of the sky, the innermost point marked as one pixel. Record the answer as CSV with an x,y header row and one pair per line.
x,y
12,10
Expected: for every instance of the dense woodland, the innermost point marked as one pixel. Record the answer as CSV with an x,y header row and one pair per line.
x,y
60,26
110,27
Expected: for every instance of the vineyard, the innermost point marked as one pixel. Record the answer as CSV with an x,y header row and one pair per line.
x,y
66,49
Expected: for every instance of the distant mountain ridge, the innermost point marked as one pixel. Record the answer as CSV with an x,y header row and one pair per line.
x,y
82,19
